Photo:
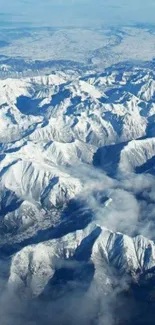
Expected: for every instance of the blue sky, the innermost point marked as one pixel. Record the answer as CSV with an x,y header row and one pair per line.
x,y
79,12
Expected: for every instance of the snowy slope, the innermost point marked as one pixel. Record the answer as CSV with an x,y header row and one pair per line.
x,y
54,129
38,263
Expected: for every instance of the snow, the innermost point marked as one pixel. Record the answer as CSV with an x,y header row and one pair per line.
x,y
38,263
46,141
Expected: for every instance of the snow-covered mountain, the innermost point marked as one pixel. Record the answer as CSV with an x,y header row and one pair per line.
x,y
35,265
58,209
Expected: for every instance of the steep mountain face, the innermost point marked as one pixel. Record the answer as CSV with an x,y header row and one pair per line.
x,y
58,210
34,266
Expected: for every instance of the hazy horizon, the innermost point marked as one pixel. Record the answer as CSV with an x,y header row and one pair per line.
x,y
77,12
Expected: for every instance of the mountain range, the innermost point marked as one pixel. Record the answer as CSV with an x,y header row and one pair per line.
x,y
77,164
